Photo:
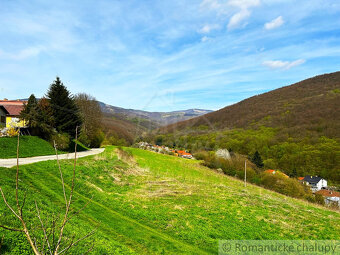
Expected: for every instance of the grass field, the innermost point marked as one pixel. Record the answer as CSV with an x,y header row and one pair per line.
x,y
154,204
30,146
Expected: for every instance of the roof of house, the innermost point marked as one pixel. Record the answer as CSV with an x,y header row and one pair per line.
x,y
312,179
301,178
328,193
4,109
270,171
13,110
12,102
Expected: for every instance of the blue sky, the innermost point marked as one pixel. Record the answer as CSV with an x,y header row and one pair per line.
x,y
166,55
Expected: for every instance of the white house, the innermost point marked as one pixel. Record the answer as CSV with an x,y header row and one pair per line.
x,y
316,183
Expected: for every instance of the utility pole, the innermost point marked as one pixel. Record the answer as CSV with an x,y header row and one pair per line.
x,y
245,173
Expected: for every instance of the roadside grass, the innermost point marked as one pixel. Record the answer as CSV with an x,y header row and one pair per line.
x,y
30,146
153,204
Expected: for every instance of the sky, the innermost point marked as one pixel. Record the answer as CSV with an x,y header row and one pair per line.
x,y
165,55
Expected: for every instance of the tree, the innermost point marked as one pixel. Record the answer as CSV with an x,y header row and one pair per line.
x,y
45,120
91,134
65,111
29,113
257,160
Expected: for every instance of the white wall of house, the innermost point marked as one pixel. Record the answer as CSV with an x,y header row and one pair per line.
x,y
321,184
332,200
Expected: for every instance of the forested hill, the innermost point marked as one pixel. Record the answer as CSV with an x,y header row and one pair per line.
x,y
310,106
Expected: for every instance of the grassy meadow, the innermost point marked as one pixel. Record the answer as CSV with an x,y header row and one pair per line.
x,y
149,203
31,146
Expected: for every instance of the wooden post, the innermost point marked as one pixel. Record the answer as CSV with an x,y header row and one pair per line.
x,y
245,173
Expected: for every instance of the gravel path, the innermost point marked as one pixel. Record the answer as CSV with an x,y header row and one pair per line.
x,y
23,161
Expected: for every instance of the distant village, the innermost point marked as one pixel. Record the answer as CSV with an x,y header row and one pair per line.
x,y
317,184
165,150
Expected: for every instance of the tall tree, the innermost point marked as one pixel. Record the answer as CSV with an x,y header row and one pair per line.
x,y
91,114
257,160
45,120
65,111
29,113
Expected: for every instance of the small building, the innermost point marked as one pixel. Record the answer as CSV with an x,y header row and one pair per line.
x,y
331,197
316,183
184,154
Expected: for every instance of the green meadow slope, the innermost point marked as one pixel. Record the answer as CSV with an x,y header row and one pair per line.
x,y
30,146
150,203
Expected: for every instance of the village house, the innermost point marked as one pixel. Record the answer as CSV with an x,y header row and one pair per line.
x,y
331,197
13,109
316,183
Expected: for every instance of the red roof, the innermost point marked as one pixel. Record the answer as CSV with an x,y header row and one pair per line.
x,y
14,110
270,171
328,193
12,102
301,178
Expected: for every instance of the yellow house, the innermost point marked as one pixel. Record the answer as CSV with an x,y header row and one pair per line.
x,y
12,108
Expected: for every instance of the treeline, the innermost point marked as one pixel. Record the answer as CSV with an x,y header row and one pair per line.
x,y
295,157
279,182
56,116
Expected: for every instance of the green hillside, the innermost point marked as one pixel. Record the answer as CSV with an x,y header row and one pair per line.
x,y
150,203
296,129
31,146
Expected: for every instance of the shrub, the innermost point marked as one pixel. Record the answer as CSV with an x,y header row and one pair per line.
x,y
282,184
12,131
62,141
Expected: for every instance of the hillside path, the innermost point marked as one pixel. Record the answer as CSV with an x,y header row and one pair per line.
x,y
24,161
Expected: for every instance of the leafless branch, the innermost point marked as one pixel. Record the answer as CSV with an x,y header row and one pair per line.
x,y
43,228
11,229
61,173
70,198
51,238
79,240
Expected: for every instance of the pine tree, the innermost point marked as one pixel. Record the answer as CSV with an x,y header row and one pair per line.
x,y
29,113
257,160
65,111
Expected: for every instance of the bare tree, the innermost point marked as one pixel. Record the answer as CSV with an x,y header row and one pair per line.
x,y
54,241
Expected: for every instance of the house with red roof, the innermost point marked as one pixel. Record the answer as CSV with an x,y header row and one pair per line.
x,y
10,113
331,197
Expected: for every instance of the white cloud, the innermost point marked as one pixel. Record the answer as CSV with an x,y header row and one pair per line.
x,y
208,28
274,23
237,18
244,4
205,38
22,54
210,4
285,65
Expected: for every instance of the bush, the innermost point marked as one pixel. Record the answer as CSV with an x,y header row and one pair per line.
x,y
319,199
62,141
284,185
